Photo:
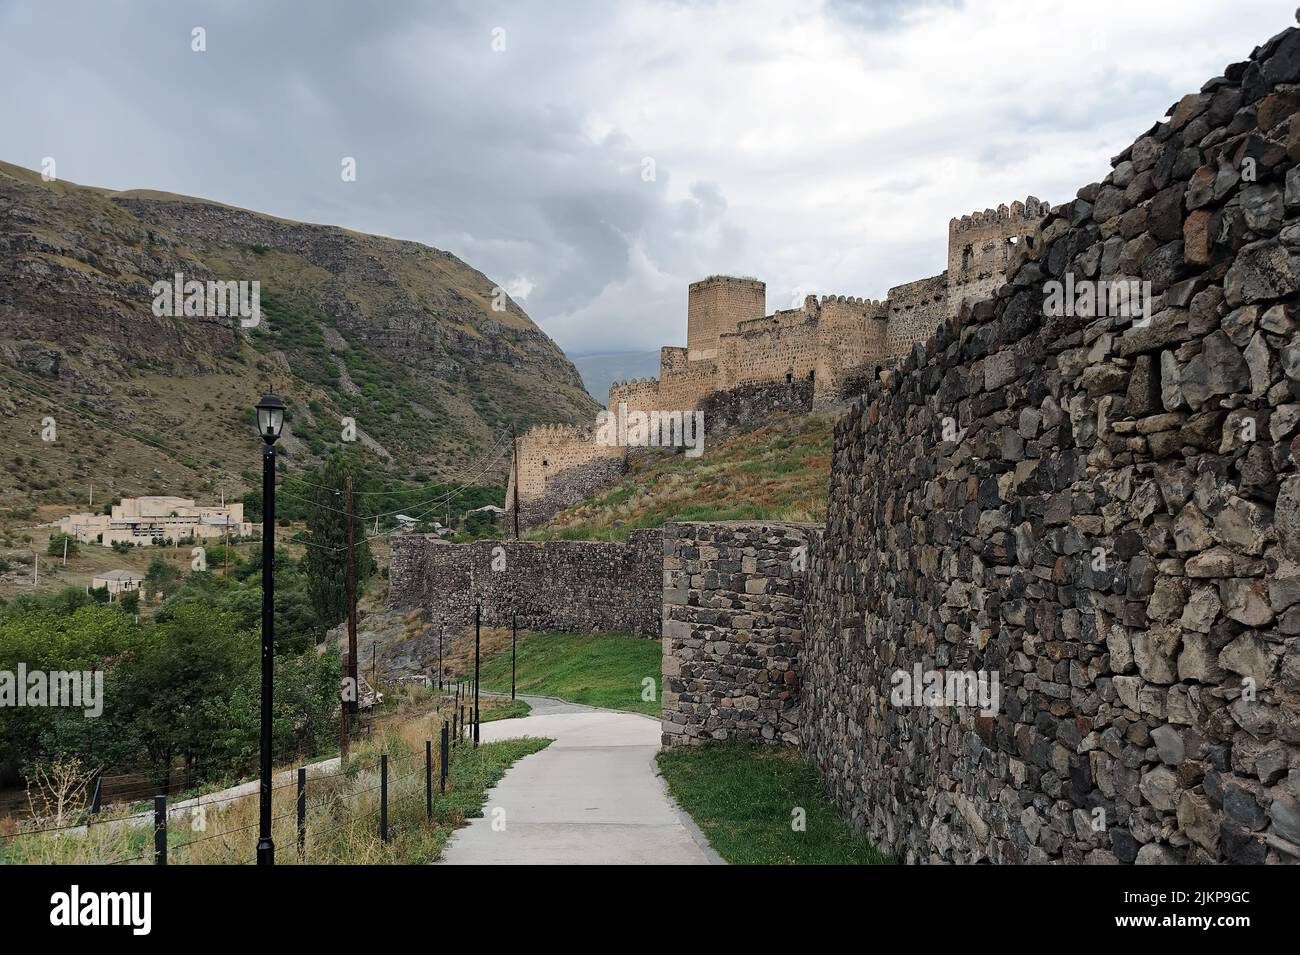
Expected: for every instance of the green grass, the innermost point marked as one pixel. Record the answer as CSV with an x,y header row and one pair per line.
x,y
743,797
595,669
504,710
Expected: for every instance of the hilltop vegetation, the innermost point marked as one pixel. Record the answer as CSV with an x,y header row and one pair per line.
x,y
780,472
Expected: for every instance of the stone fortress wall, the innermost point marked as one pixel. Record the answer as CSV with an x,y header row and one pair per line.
x,y
569,586
558,466
733,596
834,342
1103,513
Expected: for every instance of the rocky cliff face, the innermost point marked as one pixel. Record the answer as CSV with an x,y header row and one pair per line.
x,y
1098,510
399,336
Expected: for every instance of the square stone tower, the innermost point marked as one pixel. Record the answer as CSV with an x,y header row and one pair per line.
x,y
980,245
719,304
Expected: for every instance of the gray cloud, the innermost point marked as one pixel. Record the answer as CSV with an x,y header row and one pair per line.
x,y
819,145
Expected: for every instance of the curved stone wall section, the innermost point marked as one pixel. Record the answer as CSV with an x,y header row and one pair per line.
x,y
1103,513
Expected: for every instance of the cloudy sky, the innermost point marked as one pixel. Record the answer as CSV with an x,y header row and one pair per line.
x,y
595,157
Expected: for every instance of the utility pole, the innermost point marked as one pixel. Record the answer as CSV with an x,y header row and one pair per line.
x,y
36,571
350,706
514,437
65,550
478,613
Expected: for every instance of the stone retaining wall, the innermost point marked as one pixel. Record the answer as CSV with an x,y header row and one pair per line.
x,y
572,586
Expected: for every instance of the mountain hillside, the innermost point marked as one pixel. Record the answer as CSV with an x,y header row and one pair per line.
x,y
399,336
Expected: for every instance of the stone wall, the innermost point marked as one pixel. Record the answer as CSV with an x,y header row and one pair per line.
x,y
732,599
1103,513
915,311
731,344
572,586
558,466
750,407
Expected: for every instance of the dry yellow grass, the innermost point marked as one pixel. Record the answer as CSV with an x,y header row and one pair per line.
x,y
343,807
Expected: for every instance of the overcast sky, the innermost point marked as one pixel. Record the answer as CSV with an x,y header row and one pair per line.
x,y
595,157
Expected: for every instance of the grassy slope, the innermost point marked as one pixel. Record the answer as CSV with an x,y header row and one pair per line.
x,y
595,669
743,798
780,472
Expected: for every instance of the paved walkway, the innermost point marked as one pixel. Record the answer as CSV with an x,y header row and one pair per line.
x,y
591,797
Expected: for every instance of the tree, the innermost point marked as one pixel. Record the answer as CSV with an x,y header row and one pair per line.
x,y
57,542
326,560
196,654
160,577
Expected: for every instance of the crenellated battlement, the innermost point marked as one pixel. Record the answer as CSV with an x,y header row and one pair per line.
x,y
1031,210
849,300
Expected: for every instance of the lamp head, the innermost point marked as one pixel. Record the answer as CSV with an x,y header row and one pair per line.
x,y
270,418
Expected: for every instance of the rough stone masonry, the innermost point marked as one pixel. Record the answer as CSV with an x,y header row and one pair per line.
x,y
1104,512
571,586
733,595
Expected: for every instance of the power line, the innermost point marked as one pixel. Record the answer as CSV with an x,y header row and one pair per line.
x,y
432,506
500,443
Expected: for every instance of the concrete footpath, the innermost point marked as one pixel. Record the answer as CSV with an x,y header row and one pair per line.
x,y
591,797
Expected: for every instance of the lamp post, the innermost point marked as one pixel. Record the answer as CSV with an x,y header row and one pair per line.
x,y
270,419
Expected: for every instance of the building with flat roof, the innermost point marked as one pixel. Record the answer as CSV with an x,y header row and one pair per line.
x,y
143,521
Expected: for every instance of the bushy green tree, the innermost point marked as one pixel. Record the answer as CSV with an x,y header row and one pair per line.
x,y
57,542
161,576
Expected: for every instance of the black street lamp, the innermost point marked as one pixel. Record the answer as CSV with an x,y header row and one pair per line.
x,y
270,419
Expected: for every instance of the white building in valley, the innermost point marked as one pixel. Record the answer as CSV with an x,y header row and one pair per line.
x,y
143,521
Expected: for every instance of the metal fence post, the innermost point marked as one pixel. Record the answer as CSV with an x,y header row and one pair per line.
x,y
159,830
94,799
383,797
302,810
442,784
428,778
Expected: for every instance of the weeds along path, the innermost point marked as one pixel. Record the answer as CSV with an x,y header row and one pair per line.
x,y
592,797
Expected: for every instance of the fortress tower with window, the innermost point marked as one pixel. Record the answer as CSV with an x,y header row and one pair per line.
x,y
828,341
